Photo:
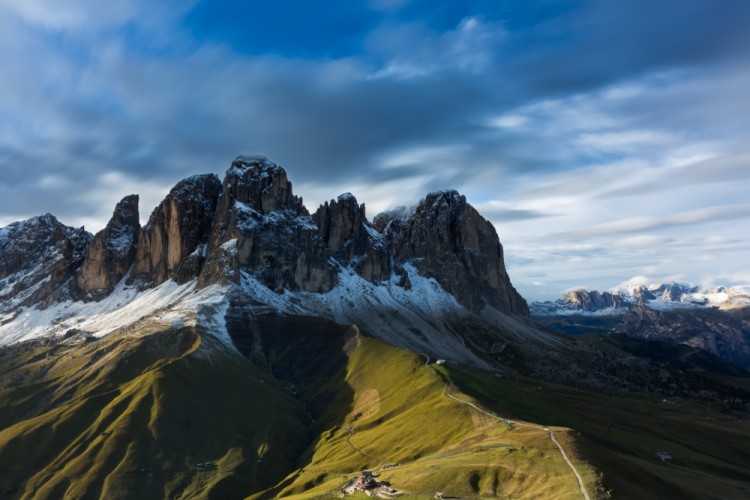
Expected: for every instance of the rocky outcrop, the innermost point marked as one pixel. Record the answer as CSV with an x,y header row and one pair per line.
x,y
642,293
447,239
112,251
585,300
169,245
261,228
674,292
252,228
351,239
38,259
711,330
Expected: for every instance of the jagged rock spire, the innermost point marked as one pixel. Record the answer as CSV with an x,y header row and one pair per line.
x,y
351,239
262,228
112,251
168,246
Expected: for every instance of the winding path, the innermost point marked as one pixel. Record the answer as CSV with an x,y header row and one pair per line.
x,y
549,432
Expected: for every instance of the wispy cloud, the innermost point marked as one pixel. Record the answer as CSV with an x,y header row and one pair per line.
x,y
640,224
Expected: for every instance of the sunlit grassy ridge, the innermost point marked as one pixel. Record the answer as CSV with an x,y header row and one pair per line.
x,y
399,414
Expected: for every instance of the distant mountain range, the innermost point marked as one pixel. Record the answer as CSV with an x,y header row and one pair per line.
x,y
660,296
715,319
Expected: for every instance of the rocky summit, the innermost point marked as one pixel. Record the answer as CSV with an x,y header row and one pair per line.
x,y
112,251
252,224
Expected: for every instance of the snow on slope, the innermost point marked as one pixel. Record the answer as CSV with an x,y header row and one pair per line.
x,y
169,303
658,296
418,318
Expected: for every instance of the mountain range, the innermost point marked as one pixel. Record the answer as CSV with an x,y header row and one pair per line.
x,y
714,319
238,345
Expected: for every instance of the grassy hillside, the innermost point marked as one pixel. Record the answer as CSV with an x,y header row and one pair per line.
x,y
141,413
400,416
620,436
134,416
157,412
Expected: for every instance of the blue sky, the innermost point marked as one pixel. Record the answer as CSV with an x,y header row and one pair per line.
x,y
606,140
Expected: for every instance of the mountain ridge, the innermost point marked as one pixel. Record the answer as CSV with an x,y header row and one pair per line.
x,y
656,296
255,204
715,319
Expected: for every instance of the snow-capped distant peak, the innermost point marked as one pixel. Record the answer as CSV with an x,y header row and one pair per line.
x,y
661,296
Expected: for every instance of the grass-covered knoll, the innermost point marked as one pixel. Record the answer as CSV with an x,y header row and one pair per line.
x,y
398,413
620,436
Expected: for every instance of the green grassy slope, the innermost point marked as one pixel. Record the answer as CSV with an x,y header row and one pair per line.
x,y
620,436
308,403
139,423
401,415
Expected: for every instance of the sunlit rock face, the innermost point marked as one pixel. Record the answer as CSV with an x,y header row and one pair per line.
x,y
169,246
112,251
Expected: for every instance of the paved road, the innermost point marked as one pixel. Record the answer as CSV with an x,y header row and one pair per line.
x,y
549,432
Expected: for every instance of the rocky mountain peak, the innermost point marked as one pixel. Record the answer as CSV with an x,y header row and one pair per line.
x,y
38,257
261,228
350,237
594,300
342,223
112,251
168,246
446,238
24,240
261,185
125,214
251,230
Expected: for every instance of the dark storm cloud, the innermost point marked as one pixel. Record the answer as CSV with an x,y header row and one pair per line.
x,y
601,42
84,103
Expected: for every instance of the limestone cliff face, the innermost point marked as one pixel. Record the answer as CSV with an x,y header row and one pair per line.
x,y
351,239
261,228
169,245
112,251
252,228
447,239
585,300
38,260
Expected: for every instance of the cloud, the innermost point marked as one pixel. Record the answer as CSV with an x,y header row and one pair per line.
x,y
639,224
555,119
643,242
498,213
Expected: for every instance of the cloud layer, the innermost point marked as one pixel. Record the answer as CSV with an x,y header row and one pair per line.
x,y
604,139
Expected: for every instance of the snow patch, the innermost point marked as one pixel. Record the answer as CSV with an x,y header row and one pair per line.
x,y
418,318
170,304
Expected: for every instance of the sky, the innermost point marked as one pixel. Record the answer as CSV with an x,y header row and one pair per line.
x,y
606,140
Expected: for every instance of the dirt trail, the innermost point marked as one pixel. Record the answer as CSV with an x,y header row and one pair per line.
x,y
549,432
